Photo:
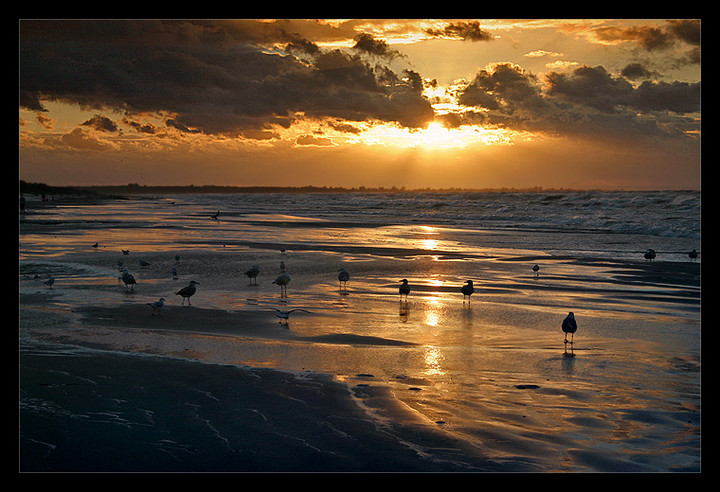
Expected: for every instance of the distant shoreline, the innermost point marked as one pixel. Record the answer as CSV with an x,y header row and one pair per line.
x,y
137,189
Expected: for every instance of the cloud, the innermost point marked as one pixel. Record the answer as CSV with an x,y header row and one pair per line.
x,y
589,102
470,31
101,123
213,77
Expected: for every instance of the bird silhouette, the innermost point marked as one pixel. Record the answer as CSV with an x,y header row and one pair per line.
x,y
285,315
404,288
569,325
188,291
282,280
467,289
156,305
693,255
343,277
536,269
128,279
252,273
49,282
650,254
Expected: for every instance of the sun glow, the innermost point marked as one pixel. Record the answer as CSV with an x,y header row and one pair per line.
x,y
434,137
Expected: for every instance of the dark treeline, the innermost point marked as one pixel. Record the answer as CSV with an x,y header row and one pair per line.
x,y
132,188
137,189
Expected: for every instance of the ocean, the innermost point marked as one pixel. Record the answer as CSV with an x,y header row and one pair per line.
x,y
436,382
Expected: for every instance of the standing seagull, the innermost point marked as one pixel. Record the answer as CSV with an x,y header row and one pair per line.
x,y
253,273
156,305
569,325
215,216
536,269
650,254
404,288
128,279
467,290
285,315
282,280
343,277
187,292
692,255
49,282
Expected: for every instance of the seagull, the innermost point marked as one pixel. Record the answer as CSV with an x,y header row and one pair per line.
x,y
144,264
343,277
156,305
187,291
467,290
49,282
215,216
404,288
177,258
285,315
536,269
649,254
125,251
282,280
174,273
253,273
96,245
569,325
282,266
128,279
693,254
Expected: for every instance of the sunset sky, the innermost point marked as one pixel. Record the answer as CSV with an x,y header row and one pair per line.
x,y
417,103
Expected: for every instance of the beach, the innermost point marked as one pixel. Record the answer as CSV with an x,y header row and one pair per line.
x,y
360,380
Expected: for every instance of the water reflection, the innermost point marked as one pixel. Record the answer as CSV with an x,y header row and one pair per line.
x,y
433,360
432,312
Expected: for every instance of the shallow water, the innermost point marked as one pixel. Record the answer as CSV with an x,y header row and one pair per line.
x,y
492,372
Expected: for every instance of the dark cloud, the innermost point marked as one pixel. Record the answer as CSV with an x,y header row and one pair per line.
x,y
465,30
367,43
505,87
101,123
595,87
635,71
214,77
588,101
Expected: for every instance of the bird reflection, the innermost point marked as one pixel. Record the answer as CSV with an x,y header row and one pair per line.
x,y
404,310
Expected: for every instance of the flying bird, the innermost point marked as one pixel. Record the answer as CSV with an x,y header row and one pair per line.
x,y
569,325
282,280
343,277
650,254
253,273
467,290
128,279
187,291
404,288
156,305
285,315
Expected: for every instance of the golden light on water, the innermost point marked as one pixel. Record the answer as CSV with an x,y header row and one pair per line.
x,y
433,360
